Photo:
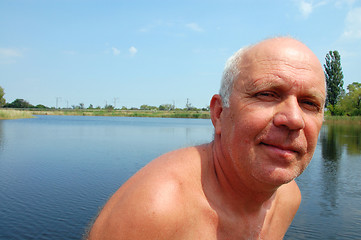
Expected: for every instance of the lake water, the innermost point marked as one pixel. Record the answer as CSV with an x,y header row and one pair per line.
x,y
57,171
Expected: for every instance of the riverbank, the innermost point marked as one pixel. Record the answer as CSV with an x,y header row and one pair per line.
x,y
14,114
115,113
28,113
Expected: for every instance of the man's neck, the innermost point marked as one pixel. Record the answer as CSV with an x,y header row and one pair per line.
x,y
229,189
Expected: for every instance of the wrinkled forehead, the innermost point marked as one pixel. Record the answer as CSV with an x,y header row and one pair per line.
x,y
290,58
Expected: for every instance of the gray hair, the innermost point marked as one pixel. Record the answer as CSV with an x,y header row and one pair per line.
x,y
230,73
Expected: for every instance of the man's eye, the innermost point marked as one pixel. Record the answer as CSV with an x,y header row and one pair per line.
x,y
267,95
310,105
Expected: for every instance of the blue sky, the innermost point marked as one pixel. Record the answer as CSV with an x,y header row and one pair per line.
x,y
154,52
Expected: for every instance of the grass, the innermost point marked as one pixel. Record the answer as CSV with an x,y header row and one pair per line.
x,y
342,119
125,113
14,114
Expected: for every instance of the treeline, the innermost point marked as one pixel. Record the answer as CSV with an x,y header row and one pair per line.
x,y
23,104
348,104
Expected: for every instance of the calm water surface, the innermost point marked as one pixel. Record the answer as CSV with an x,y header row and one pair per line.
x,y
57,171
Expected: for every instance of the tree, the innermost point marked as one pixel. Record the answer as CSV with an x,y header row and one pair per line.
x,y
19,103
334,79
109,107
147,107
165,107
351,102
2,99
41,106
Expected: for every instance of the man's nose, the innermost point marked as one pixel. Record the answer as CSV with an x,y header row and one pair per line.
x,y
289,114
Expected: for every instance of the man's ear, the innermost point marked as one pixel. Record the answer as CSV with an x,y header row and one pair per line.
x,y
216,109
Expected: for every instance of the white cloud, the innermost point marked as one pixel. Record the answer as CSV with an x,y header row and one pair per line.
x,y
115,51
340,3
9,55
10,52
353,24
306,7
133,51
194,27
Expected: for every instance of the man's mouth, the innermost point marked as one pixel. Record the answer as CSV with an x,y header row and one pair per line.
x,y
281,147
281,151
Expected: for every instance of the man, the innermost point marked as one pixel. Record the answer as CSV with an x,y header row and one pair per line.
x,y
240,186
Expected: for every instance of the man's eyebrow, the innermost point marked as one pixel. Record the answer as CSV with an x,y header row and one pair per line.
x,y
315,95
265,83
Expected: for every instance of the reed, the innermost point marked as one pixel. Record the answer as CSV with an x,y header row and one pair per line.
x,y
14,114
342,120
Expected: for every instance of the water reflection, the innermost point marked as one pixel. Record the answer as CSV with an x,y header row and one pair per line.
x,y
1,135
331,155
331,150
338,137
336,140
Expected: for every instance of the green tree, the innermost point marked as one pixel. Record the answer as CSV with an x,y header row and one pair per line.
x,y
147,107
41,106
334,79
19,103
350,104
109,107
165,107
2,99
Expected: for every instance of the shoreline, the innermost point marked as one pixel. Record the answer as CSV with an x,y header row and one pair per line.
x,y
29,113
25,113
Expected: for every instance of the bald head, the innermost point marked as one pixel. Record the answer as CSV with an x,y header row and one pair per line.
x,y
285,49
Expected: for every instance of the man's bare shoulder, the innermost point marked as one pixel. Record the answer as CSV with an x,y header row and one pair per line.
x,y
287,202
290,195
285,206
152,204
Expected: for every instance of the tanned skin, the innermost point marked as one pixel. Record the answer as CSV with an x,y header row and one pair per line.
x,y
241,185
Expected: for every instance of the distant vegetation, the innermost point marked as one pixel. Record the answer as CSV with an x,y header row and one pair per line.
x,y
163,110
21,108
123,113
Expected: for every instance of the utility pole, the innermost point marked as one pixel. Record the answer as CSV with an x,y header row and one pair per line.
x,y
188,104
57,100
115,101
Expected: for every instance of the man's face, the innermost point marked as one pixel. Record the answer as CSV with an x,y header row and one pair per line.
x,y
270,130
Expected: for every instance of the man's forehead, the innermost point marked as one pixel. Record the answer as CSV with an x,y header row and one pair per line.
x,y
288,54
279,48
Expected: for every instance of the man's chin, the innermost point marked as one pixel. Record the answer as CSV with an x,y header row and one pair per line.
x,y
278,176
